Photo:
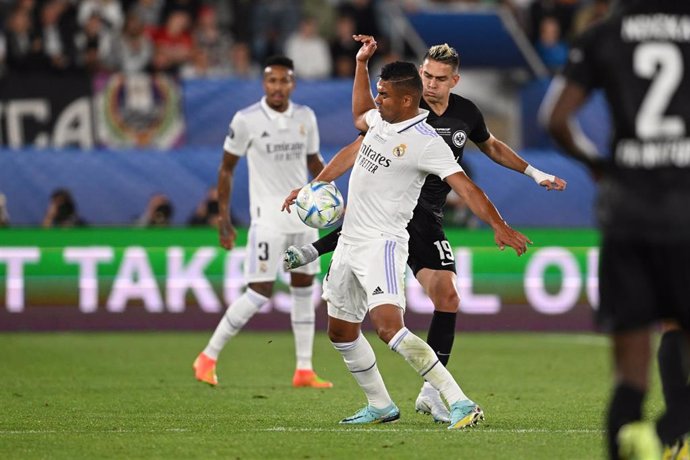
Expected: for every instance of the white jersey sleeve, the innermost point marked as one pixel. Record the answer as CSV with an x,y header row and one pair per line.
x,y
438,159
238,137
372,117
313,141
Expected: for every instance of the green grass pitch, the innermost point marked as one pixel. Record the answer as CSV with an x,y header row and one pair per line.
x,y
133,395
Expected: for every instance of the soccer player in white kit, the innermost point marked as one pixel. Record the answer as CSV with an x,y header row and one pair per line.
x,y
367,271
281,141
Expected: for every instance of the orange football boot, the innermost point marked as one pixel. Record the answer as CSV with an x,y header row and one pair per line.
x,y
205,369
308,378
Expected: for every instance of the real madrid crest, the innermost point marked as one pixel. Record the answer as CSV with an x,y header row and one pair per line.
x,y
302,131
459,138
399,150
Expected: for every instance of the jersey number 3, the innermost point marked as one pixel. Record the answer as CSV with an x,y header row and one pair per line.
x,y
663,64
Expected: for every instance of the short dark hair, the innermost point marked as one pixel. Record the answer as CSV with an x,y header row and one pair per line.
x,y
403,75
282,61
445,54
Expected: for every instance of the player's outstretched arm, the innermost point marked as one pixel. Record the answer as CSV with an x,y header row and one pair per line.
x,y
483,208
226,232
362,99
339,165
502,154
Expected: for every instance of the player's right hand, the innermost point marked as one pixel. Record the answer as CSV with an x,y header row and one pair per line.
x,y
368,48
506,236
290,200
226,234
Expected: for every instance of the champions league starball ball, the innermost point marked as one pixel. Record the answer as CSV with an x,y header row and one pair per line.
x,y
320,204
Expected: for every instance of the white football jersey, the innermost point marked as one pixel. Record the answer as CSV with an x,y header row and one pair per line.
x,y
276,145
389,172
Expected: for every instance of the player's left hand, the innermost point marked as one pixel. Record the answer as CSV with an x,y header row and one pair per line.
x,y
290,200
556,184
506,236
368,48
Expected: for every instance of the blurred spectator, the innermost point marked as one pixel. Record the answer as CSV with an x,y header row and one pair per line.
x,y
133,50
550,46
149,12
309,51
158,213
206,212
343,47
62,210
365,16
110,12
191,7
241,62
96,45
173,43
589,14
212,42
23,45
562,10
273,21
57,40
4,215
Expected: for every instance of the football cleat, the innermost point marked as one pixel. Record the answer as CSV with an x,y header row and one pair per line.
x,y
679,450
638,441
295,257
205,369
308,378
464,413
370,415
429,402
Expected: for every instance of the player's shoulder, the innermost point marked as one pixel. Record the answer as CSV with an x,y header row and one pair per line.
x,y
461,106
302,110
249,110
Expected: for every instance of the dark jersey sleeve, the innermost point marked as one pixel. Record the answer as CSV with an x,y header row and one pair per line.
x,y
581,67
480,133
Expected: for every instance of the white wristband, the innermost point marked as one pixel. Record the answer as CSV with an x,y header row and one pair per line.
x,y
538,176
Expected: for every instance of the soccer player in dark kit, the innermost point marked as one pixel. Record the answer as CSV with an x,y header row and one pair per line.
x,y
640,57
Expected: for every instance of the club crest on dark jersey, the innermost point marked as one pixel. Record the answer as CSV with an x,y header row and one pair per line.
x,y
459,138
399,150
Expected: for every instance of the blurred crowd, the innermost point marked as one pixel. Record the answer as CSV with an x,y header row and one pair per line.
x,y
196,38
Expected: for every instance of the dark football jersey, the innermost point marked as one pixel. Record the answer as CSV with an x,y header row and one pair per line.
x,y
640,57
462,120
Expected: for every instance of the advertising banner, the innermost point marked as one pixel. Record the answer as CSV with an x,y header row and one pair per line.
x,y
110,278
46,111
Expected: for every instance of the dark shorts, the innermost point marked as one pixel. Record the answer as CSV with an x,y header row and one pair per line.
x,y
642,282
428,246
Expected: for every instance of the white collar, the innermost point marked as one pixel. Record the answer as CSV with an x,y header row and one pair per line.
x,y
274,114
405,124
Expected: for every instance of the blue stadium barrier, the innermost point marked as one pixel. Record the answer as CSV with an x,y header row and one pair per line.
x,y
113,187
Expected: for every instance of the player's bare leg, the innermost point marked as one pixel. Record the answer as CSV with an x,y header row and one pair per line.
x,y
440,287
302,318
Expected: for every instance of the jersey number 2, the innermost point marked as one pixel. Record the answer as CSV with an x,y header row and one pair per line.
x,y
663,64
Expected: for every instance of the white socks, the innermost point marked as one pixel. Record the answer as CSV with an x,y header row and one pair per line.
x,y
234,319
302,318
423,360
360,360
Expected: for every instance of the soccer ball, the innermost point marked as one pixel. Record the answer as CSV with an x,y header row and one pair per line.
x,y
319,204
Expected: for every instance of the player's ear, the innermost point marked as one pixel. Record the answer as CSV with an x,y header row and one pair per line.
x,y
455,79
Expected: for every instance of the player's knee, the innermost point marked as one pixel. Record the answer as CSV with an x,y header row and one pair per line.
x,y
387,332
263,288
446,301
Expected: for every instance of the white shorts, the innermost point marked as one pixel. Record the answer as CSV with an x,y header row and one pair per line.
x,y
363,276
265,248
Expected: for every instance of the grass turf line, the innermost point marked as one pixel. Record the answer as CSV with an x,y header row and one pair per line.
x,y
133,395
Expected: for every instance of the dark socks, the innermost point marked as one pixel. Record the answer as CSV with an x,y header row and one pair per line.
x,y
442,334
625,407
674,369
327,243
